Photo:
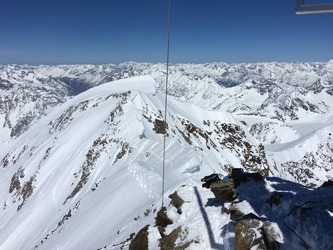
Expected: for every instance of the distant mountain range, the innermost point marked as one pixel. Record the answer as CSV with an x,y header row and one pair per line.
x,y
279,91
81,153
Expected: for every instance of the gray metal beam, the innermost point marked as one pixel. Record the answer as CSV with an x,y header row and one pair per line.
x,y
312,9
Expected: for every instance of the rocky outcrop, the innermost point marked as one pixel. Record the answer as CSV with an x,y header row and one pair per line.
x,y
167,241
246,235
162,221
327,184
140,241
256,233
225,190
176,201
274,214
250,230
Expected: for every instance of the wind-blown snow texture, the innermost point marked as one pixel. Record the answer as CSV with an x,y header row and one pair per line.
x,y
85,172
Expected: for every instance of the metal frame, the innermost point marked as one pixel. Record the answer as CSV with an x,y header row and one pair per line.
x,y
302,8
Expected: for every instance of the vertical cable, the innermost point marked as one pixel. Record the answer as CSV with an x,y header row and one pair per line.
x,y
166,101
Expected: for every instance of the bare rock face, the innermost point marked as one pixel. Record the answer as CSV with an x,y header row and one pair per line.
x,y
248,234
162,221
168,241
327,184
140,241
224,190
250,230
176,201
270,235
255,233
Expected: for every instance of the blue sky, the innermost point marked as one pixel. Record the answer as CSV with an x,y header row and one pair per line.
x,y
114,31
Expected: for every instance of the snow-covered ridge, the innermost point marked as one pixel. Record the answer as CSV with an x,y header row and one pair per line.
x,y
101,152
88,173
283,91
269,99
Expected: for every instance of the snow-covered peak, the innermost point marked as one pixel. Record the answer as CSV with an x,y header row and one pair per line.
x,y
101,152
74,163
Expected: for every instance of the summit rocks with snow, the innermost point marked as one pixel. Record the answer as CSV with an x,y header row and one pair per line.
x,y
81,166
272,213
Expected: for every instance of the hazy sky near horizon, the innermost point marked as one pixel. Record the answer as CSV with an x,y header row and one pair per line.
x,y
114,31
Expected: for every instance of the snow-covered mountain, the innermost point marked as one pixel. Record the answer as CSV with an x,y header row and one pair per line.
x,y
30,92
279,91
96,161
272,100
84,171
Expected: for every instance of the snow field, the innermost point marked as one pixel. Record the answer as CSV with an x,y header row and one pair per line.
x,y
97,168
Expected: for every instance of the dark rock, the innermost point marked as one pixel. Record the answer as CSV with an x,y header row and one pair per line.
x,y
176,201
274,199
224,190
248,235
5,84
235,213
140,241
236,172
327,184
246,177
160,127
168,241
316,87
251,232
162,220
300,214
271,237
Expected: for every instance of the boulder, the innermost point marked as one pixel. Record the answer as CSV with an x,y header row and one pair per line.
x,y
248,235
235,213
162,220
140,241
271,237
168,241
176,201
224,190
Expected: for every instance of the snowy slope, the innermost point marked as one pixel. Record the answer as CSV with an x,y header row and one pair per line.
x,y
278,91
309,159
96,161
87,171
288,216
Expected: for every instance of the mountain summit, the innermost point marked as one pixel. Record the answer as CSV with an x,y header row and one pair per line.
x,y
86,173
100,155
